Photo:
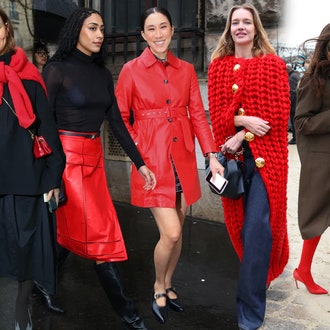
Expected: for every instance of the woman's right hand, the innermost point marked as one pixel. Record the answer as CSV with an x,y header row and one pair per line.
x,y
149,178
255,125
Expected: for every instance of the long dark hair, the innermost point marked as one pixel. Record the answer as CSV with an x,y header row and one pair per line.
x,y
319,69
69,36
154,10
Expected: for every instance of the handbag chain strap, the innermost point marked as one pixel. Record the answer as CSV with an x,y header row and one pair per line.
x,y
13,111
237,153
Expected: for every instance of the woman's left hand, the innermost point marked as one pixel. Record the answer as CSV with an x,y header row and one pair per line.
x,y
234,143
149,178
56,193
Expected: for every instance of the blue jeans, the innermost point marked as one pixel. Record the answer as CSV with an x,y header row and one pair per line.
x,y
257,244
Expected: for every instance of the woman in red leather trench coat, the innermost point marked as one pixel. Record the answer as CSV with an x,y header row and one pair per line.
x,y
163,93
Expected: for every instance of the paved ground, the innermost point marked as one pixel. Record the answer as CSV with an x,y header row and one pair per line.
x,y
205,278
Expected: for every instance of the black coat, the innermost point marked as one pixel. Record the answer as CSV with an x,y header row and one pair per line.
x,y
20,172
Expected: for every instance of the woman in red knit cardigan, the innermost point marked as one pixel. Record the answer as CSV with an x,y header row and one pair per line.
x,y
249,108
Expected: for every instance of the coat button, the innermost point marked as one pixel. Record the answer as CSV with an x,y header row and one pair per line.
x,y
165,81
260,162
249,136
241,112
168,101
236,67
175,139
234,88
170,119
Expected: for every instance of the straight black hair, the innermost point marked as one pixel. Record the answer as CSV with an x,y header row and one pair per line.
x,y
154,10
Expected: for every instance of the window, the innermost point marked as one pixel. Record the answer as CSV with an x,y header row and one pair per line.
x,y
13,13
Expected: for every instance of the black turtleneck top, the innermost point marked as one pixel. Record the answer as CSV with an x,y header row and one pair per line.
x,y
81,94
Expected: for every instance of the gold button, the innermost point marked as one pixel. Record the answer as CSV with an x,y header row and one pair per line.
x,y
249,136
234,88
241,112
236,67
260,162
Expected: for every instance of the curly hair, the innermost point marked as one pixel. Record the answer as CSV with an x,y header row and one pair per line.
x,y
261,43
319,68
69,36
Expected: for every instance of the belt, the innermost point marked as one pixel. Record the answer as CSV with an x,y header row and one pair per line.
x,y
159,113
169,113
85,135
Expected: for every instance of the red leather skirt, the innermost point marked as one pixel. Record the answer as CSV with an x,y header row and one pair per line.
x,y
88,224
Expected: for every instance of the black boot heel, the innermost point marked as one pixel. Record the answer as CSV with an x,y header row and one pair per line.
x,y
48,298
160,312
112,284
174,304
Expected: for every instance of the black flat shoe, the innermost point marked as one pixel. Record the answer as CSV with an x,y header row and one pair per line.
x,y
160,312
174,304
48,298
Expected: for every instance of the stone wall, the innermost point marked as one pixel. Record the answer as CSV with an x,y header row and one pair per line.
x,y
216,13
22,22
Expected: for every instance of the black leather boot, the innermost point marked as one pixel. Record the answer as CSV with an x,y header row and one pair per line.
x,y
48,298
112,284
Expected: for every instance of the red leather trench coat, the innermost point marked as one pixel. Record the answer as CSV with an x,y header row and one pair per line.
x,y
168,113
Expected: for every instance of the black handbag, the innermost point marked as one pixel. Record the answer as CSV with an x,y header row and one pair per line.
x,y
233,173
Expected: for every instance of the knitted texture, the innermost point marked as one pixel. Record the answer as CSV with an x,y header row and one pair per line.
x,y
20,69
263,91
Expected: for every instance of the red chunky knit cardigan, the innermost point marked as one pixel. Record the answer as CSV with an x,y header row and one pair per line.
x,y
263,91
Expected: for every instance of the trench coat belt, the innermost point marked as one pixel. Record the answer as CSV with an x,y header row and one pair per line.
x,y
169,113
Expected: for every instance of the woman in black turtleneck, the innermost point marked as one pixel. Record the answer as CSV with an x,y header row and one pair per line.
x,y
81,93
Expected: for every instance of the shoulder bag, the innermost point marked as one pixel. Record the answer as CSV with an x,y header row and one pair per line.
x,y
40,146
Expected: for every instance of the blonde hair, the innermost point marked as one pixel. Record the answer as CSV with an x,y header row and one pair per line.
x,y
261,43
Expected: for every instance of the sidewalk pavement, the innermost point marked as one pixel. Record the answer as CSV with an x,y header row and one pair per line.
x,y
205,278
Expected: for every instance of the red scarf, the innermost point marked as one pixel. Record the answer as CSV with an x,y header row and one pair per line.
x,y
20,69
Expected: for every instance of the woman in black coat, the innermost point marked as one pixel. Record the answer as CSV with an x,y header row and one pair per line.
x,y
27,244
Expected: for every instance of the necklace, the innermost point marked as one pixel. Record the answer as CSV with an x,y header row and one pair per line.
x,y
162,60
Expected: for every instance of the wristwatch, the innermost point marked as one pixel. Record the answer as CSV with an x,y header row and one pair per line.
x,y
212,155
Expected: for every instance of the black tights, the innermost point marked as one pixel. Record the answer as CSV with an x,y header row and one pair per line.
x,y
23,318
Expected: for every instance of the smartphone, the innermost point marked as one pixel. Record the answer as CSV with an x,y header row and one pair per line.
x,y
52,205
218,184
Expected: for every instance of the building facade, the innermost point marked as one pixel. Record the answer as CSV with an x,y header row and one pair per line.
x,y
198,26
